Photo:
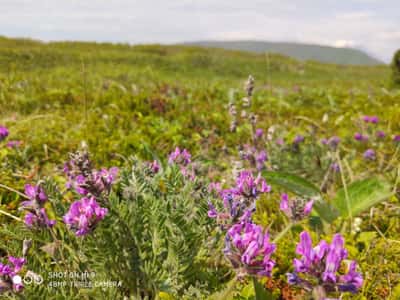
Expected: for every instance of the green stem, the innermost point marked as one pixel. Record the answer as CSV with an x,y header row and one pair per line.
x,y
283,232
345,190
13,190
10,215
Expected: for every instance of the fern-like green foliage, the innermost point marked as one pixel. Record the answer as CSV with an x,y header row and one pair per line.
x,y
152,241
396,69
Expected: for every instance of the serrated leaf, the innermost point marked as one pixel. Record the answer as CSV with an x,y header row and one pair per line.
x,y
362,194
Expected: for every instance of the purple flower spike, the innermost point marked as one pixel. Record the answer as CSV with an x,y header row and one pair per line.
x,y
369,154
360,137
380,134
17,262
366,119
180,157
333,142
38,219
155,166
10,279
371,119
14,144
259,133
35,194
374,119
296,209
396,138
298,139
249,187
335,167
321,266
3,133
249,250
83,216
308,207
284,205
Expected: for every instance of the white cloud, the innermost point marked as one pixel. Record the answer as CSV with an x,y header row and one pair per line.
x,y
364,23
344,44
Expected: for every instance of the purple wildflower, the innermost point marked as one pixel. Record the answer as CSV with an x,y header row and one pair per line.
x,y
215,187
396,138
296,209
36,216
249,250
10,280
298,139
335,167
83,216
234,210
38,219
36,195
86,180
369,154
261,158
259,133
3,133
249,187
333,142
179,157
155,166
380,134
374,119
371,119
280,142
14,144
321,264
360,137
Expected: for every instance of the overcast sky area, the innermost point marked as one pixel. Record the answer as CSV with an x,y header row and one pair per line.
x,y
371,25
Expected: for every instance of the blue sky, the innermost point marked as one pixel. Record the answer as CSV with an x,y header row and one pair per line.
x,y
372,25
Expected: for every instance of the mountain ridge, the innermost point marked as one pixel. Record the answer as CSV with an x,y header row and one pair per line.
x,y
297,50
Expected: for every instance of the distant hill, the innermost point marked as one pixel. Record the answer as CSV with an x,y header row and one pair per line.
x,y
326,54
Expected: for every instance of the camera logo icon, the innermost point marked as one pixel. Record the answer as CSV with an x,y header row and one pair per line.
x,y
32,278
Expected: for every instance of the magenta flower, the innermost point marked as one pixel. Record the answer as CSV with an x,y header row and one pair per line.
x,y
335,167
261,158
249,250
298,139
14,144
320,266
380,134
3,133
179,157
154,167
36,194
10,280
38,219
371,119
215,187
234,209
259,133
369,154
360,137
280,142
396,138
249,187
296,209
84,215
